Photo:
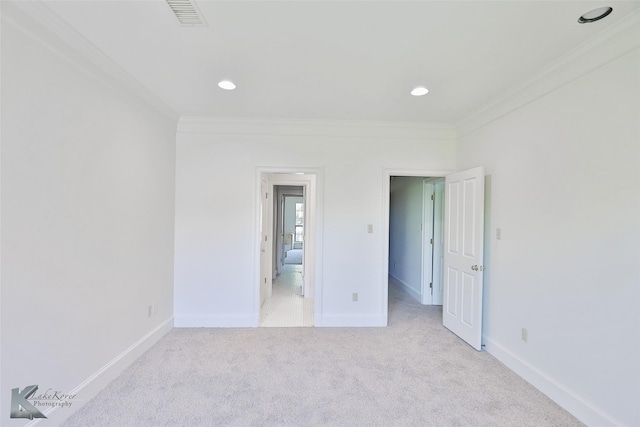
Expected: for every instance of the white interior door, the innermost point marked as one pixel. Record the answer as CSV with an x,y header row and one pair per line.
x,y
463,255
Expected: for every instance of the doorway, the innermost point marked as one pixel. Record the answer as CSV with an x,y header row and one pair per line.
x,y
463,249
289,226
416,231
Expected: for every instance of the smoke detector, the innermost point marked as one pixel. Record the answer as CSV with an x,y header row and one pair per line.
x,y
187,12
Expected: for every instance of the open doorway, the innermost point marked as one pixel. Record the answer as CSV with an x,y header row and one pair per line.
x,y
416,236
462,196
287,240
290,227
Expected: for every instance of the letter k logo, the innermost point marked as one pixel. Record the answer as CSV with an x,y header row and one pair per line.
x,y
21,407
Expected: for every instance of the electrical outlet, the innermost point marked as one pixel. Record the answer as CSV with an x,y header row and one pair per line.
x,y
499,233
354,297
369,228
525,335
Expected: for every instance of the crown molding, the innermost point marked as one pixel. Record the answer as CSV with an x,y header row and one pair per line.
x,y
612,43
38,21
326,128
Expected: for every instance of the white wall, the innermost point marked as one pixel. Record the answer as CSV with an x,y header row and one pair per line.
x,y
564,175
405,233
87,219
215,221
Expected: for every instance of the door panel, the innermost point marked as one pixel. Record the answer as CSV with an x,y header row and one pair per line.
x,y
469,214
452,226
467,299
451,292
463,255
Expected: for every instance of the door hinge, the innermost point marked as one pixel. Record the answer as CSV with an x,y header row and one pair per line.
x,y
265,238
266,195
431,241
433,197
431,285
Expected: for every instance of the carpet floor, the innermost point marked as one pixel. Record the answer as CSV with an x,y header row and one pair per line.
x,y
412,373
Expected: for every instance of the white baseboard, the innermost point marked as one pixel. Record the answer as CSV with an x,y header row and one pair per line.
x,y
408,289
350,320
252,321
580,408
217,321
90,387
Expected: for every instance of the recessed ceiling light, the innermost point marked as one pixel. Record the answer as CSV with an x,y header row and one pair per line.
x,y
419,91
227,85
595,15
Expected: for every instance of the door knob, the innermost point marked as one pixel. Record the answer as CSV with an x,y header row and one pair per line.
x,y
474,267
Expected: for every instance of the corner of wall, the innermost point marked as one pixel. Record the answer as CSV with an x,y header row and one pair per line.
x,y
92,385
306,128
38,21
585,411
595,52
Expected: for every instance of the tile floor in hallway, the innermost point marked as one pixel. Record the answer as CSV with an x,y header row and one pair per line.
x,y
287,307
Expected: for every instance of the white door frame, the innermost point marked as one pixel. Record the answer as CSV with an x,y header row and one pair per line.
x,y
386,188
438,242
265,242
433,228
427,241
312,180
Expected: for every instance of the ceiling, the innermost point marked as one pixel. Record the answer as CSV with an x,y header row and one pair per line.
x,y
337,60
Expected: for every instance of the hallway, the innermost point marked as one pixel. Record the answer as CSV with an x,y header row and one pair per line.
x,y
287,307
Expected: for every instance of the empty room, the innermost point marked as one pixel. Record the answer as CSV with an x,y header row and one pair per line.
x,y
146,152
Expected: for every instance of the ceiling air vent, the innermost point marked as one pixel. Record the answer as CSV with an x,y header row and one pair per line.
x,y
187,13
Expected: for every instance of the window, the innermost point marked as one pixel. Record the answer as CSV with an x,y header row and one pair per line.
x,y
299,222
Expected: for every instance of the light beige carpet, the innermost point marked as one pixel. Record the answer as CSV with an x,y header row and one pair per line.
x,y
412,373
